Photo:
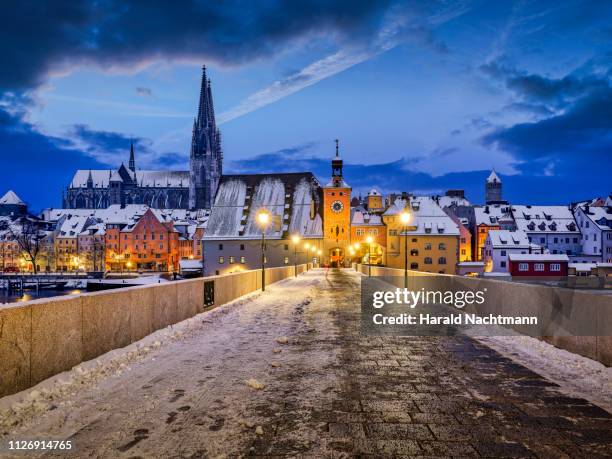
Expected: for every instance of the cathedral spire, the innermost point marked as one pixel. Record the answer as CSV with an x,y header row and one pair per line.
x,y
132,163
89,180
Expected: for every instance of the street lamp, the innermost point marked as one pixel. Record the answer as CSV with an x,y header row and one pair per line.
x,y
369,241
319,257
263,219
296,240
306,249
405,219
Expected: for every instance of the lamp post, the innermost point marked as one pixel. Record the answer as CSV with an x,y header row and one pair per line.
x,y
296,240
306,249
405,219
263,218
319,257
369,241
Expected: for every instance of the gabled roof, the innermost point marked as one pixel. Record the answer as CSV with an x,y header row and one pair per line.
x,y
427,216
544,219
493,177
508,239
144,178
291,199
11,198
600,216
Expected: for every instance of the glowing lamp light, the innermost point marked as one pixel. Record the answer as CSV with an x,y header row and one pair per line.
x,y
405,218
295,239
319,252
263,217
369,239
307,246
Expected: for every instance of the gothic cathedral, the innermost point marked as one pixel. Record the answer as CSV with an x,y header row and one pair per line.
x,y
336,215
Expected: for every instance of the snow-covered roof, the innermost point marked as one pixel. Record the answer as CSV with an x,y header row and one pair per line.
x,y
491,214
447,201
493,177
144,178
427,216
599,215
374,192
544,219
508,239
190,264
342,184
291,199
11,198
582,266
73,225
537,257
362,218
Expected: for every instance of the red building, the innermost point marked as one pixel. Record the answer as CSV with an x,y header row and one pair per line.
x,y
538,265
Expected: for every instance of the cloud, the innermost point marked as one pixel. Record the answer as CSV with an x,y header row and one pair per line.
x,y
144,92
400,25
129,34
112,148
397,176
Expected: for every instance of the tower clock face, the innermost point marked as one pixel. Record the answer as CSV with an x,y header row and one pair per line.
x,y
337,207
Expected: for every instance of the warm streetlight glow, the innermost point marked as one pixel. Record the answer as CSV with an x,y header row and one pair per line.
x,y
319,252
351,251
357,246
295,239
191,257
263,217
405,217
369,239
129,264
307,246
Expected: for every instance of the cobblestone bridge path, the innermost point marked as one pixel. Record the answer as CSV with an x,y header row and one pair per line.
x,y
319,389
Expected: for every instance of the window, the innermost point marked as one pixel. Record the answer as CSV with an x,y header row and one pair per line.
x,y
161,237
220,246
441,246
414,253
502,264
538,267
503,253
286,246
221,260
414,266
241,246
428,261
555,266
542,240
242,260
523,267
428,246
575,240
392,232
442,260
360,231
286,260
414,239
462,251
555,240
373,231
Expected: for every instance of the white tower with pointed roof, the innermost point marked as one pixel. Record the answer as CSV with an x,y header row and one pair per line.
x,y
493,188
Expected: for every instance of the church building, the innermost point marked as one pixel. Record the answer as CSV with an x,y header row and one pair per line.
x,y
160,189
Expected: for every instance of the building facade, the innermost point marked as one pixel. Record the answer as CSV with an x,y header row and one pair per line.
x,y
538,266
595,223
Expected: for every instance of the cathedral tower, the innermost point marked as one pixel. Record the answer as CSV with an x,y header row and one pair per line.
x,y
336,215
206,157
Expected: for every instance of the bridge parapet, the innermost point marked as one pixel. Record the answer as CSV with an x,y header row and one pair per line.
x,y
41,338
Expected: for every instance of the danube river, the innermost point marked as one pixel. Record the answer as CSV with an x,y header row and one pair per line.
x,y
17,297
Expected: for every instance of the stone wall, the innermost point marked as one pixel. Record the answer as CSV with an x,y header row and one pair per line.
x,y
518,297
41,338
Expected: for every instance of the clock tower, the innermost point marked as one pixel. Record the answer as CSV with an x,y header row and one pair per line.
x,y
336,215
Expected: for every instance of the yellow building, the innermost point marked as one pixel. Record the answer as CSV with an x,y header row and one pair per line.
x,y
432,237
336,216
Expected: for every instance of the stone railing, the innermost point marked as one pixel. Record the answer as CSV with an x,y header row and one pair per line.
x,y
41,338
510,297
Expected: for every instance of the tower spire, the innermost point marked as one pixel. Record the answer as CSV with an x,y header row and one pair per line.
x,y
132,163
337,148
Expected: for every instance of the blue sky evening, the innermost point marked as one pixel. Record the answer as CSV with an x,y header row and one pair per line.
x,y
423,96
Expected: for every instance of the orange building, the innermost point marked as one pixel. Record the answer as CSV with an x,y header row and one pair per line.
x,y
336,216
148,244
363,226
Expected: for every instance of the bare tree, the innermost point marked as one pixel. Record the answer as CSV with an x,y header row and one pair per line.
x,y
29,236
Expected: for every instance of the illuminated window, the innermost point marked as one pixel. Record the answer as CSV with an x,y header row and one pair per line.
x,y
523,267
221,260
538,267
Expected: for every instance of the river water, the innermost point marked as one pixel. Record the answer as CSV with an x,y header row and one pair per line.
x,y
17,297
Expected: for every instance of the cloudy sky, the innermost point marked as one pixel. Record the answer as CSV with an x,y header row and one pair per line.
x,y
424,96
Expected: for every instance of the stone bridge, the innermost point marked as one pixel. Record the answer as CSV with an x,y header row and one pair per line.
x,y
282,373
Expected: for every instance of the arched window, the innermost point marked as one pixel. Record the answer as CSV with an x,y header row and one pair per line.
x,y
414,253
414,239
428,246
441,246
428,261
414,266
442,260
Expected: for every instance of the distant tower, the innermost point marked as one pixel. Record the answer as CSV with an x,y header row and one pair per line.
x,y
493,188
206,157
132,163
